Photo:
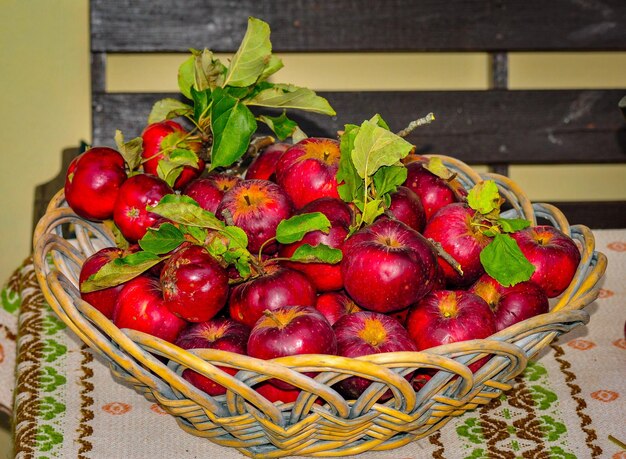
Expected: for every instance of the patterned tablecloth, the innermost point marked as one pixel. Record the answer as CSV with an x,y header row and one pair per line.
x,y
569,403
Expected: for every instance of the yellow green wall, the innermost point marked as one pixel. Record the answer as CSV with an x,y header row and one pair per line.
x,y
45,105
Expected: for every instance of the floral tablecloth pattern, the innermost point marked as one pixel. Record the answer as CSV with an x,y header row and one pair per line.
x,y
570,403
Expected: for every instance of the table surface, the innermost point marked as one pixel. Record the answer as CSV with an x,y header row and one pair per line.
x,y
569,403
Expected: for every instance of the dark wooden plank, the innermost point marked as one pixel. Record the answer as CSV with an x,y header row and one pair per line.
x,y
392,25
479,127
595,214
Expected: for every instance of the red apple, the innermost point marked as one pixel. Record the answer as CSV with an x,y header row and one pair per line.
x,y
407,207
264,165
195,285
365,333
103,300
257,207
307,171
219,333
291,330
553,254
92,182
208,191
337,211
388,266
511,304
455,228
130,214
433,191
277,287
325,277
448,316
140,306
154,151
335,305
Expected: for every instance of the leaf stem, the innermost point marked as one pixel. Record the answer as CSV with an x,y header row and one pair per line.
x,y
416,123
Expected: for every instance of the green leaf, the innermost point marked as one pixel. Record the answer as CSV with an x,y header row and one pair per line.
x,y
162,239
252,57
372,210
201,102
195,232
237,237
510,225
172,165
184,210
387,179
209,71
282,126
273,66
350,184
375,146
120,270
232,124
168,108
436,166
321,253
186,76
296,227
484,197
504,261
131,151
290,96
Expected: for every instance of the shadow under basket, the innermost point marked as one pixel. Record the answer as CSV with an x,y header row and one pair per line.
x,y
320,422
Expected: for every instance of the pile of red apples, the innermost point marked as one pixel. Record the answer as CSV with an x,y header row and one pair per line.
x,y
392,289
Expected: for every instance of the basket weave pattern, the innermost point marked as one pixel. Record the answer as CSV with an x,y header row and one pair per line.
x,y
321,422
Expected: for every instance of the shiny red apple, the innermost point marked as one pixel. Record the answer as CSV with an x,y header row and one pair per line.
x,y
140,306
365,333
159,141
208,191
92,182
457,229
407,207
219,333
264,165
130,214
277,287
103,300
388,266
511,304
291,330
195,286
257,207
554,255
307,171
335,305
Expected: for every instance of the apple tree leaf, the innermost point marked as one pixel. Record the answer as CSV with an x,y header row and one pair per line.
x,y
274,65
252,57
435,166
171,167
375,146
232,124
131,150
504,261
280,125
510,225
484,197
186,76
168,108
350,187
290,96
201,103
387,179
372,210
209,71
294,229
162,239
120,270
320,253
184,210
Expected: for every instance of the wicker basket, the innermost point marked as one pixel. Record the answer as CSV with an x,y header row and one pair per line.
x,y
245,420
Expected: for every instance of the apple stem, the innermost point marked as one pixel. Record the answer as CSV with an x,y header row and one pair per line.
x,y
416,123
446,256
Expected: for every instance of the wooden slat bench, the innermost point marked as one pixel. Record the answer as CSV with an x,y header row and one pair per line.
x,y
497,127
